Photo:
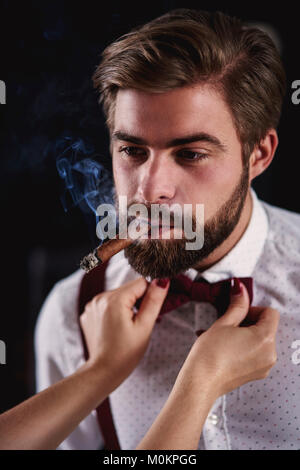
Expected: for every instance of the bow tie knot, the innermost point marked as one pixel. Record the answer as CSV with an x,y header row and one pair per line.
x,y
182,289
207,292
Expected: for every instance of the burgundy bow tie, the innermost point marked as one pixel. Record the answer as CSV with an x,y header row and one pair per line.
x,y
183,290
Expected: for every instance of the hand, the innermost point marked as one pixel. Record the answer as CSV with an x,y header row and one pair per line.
x,y
227,355
113,333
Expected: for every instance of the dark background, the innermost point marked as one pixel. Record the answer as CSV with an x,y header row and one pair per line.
x,y
49,50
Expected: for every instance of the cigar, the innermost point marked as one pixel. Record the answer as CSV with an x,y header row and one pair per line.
x,y
109,248
104,252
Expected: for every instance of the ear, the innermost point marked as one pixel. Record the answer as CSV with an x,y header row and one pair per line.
x,y
263,154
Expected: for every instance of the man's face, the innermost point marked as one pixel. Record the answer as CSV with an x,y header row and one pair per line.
x,y
178,147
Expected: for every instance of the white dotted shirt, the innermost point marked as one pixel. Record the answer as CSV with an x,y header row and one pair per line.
x,y
263,414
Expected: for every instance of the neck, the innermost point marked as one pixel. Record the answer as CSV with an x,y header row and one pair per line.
x,y
233,238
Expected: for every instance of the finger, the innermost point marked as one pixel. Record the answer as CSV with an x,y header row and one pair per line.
x,y
86,314
152,301
267,320
130,292
253,316
238,307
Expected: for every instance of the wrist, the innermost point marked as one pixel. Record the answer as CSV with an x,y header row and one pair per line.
x,y
96,372
200,379
103,373
193,386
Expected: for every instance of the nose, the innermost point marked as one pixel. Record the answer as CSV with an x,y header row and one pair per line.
x,y
157,180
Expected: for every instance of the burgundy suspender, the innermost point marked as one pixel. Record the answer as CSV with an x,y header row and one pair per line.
x,y
91,285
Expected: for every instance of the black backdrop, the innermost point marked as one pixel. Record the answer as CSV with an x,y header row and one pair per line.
x,y
49,50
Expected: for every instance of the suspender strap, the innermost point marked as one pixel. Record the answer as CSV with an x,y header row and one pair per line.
x,y
92,284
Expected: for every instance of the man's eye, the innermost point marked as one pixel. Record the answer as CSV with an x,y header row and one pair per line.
x,y
190,155
132,151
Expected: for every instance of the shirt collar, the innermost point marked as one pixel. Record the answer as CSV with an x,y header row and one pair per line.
x,y
242,258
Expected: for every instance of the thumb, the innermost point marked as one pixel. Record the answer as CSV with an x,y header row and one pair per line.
x,y
152,301
130,292
238,307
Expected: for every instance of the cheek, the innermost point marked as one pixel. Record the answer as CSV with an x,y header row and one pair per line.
x,y
214,176
214,184
123,177
221,175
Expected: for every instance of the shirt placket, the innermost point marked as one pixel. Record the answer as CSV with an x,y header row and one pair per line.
x,y
215,432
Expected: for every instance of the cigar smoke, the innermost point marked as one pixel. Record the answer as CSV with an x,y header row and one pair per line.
x,y
88,184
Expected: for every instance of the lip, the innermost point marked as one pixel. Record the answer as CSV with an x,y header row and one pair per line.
x,y
162,226
161,233
148,222
158,232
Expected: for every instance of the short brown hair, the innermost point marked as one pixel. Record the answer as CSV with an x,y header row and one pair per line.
x,y
185,47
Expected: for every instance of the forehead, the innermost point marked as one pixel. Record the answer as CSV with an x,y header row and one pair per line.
x,y
163,116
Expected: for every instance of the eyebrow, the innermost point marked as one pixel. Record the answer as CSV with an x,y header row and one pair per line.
x,y
199,137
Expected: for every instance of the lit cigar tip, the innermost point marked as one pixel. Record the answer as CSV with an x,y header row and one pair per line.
x,y
89,262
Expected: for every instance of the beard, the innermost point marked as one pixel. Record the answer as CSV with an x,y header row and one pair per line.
x,y
168,258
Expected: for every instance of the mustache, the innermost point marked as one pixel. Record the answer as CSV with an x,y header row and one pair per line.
x,y
156,213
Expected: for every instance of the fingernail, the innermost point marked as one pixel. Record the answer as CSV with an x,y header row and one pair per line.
x,y
162,282
236,288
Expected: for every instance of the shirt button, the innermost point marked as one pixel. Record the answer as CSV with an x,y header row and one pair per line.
x,y
213,418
